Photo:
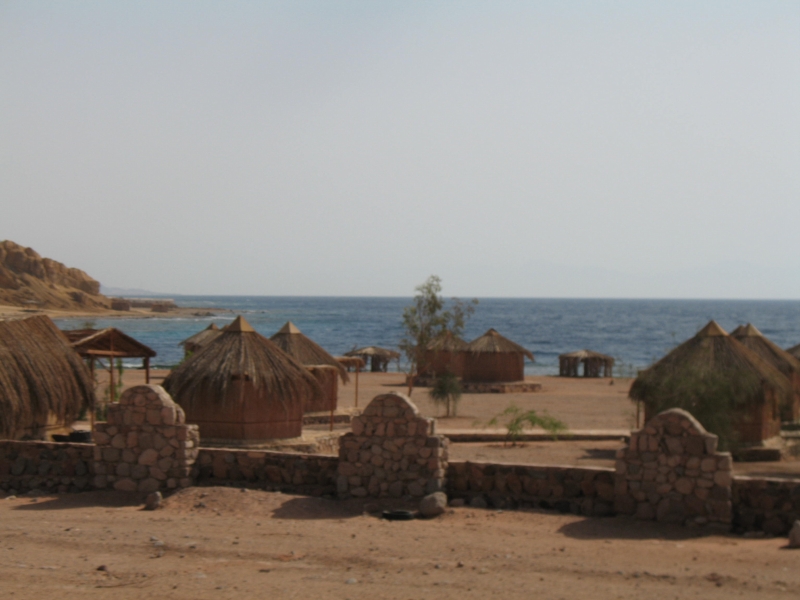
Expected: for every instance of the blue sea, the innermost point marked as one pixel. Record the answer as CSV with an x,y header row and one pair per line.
x,y
634,332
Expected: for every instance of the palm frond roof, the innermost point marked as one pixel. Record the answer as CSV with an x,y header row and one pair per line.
x,y
493,342
296,344
40,375
241,353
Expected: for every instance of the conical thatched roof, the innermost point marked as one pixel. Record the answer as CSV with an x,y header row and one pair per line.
x,y
240,352
296,344
712,350
749,336
447,342
493,342
201,338
39,375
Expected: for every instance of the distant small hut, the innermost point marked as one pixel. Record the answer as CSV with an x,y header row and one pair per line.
x,y
752,338
493,358
379,357
241,388
42,380
306,351
593,363
201,338
120,304
698,369
445,355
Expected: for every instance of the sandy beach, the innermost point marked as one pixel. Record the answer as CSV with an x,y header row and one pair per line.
x,y
223,543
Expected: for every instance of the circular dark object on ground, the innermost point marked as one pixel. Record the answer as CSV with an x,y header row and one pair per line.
x,y
60,438
397,515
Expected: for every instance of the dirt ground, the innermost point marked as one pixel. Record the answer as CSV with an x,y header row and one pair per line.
x,y
223,543
583,404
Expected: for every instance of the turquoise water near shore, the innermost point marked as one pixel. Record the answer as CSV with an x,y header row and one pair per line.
x,y
635,332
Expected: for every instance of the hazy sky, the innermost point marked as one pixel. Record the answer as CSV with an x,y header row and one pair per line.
x,y
586,149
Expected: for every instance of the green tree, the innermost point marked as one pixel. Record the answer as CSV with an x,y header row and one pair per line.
x,y
427,318
446,391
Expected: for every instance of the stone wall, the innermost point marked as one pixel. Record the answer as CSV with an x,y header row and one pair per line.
x,y
770,505
144,445
671,472
312,474
586,490
392,451
45,466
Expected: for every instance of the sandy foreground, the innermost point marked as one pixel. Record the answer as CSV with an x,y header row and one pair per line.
x,y
224,543
212,542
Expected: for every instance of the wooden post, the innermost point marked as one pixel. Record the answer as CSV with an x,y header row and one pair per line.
x,y
111,390
358,369
92,404
147,369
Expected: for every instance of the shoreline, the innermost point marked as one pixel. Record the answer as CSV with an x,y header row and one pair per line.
x,y
7,312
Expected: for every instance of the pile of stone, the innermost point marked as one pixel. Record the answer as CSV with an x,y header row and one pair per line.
x,y
671,472
145,444
392,451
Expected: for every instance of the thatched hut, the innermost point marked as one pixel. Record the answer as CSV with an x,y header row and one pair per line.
x,y
306,351
727,387
752,338
242,388
444,355
593,363
378,357
193,343
493,358
42,380
794,351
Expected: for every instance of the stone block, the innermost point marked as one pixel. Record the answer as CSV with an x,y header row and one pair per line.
x,y
148,458
148,485
125,485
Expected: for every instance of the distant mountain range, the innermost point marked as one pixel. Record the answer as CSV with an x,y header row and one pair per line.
x,y
129,292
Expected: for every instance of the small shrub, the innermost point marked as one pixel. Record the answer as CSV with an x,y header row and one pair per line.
x,y
518,419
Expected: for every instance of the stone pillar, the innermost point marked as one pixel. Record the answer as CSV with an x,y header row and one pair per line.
x,y
392,451
672,472
145,445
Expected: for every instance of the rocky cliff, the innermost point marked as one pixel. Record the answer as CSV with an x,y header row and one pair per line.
x,y
27,279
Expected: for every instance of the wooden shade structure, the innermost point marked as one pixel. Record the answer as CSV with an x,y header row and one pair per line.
x,y
593,363
492,358
749,336
201,338
109,343
42,379
379,357
242,389
711,354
